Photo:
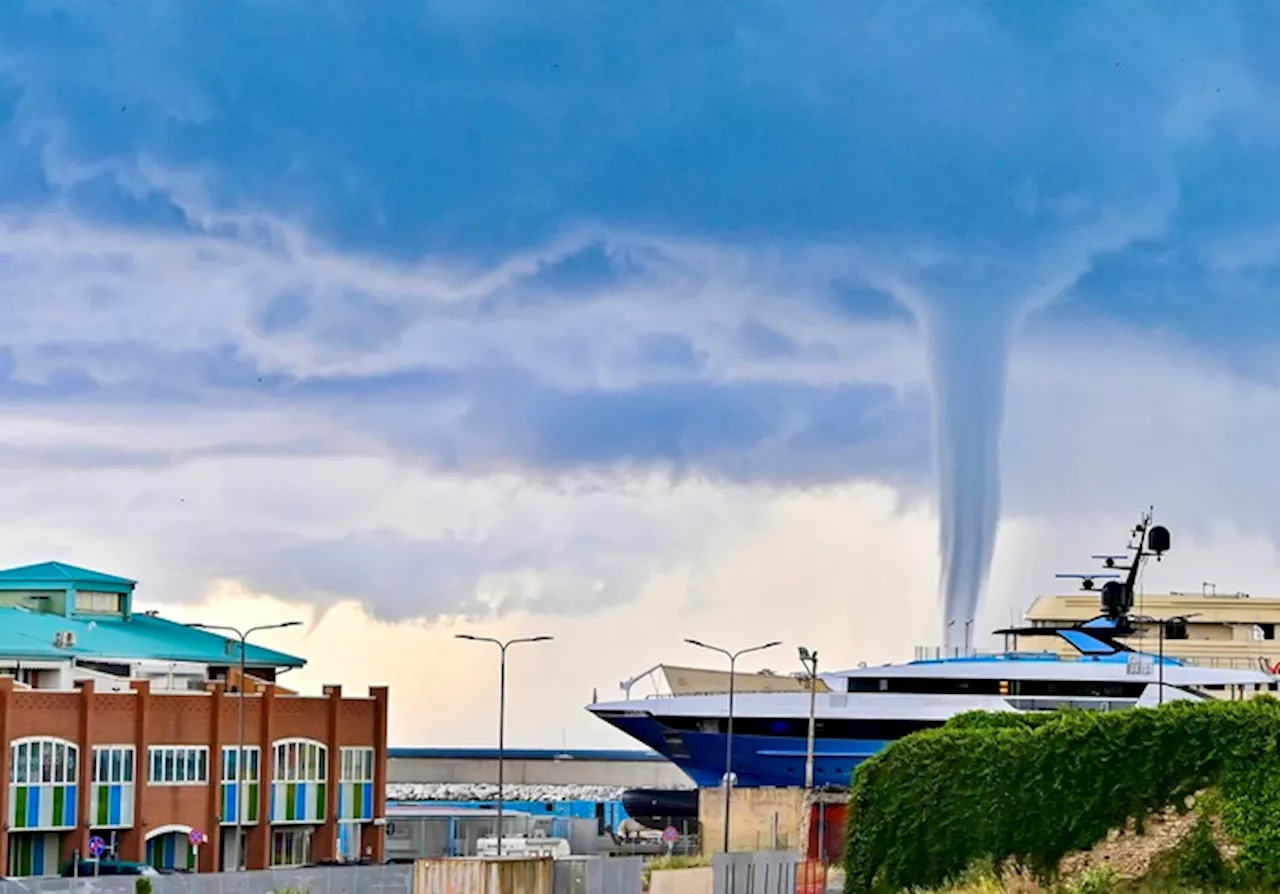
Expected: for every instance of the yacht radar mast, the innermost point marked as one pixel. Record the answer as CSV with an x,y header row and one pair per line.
x,y
1116,595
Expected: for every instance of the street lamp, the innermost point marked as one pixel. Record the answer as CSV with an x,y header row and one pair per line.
x,y
1160,623
502,704
728,745
243,636
810,662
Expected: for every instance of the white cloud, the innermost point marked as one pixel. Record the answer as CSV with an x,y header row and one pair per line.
x,y
78,286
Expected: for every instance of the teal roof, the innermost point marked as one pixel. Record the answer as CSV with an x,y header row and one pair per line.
x,y
62,575
29,635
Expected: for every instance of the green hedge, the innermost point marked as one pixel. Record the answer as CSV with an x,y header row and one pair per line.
x,y
1035,787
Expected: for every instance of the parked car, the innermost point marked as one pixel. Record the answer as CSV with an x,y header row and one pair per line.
x,y
87,868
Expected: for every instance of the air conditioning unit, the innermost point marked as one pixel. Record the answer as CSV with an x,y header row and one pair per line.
x,y
65,639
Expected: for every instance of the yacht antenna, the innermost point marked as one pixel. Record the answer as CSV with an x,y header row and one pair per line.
x,y
1101,635
1146,540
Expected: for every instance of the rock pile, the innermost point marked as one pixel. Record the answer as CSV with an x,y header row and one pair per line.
x,y
415,791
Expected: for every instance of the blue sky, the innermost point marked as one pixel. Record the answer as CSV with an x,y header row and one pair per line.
x,y
605,289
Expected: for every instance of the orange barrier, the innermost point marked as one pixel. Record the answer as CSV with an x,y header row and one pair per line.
x,y
811,877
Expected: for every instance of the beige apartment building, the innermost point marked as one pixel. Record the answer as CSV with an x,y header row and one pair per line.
x,y
1234,630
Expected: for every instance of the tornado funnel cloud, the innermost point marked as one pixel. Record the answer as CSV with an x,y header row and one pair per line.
x,y
968,365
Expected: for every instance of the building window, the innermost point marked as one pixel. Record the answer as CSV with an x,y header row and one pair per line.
x,y
291,847
99,603
355,785
357,764
300,760
252,774
252,764
300,774
179,765
42,784
112,764
111,796
43,762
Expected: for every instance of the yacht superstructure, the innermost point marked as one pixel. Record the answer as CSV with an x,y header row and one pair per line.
x,y
864,709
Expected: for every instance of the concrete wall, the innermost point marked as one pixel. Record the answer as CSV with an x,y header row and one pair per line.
x,y
761,819
627,774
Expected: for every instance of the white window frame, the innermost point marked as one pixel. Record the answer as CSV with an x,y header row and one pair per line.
x,y
252,766
97,602
356,764
300,760
55,761
115,764
178,765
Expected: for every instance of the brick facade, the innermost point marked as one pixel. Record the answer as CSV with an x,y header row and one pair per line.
x,y
144,719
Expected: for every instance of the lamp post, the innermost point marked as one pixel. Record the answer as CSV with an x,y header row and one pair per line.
x,y
810,662
243,637
502,704
728,745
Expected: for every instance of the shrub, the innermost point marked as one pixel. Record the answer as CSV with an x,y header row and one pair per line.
x,y
1033,788
1196,863
142,885
1094,881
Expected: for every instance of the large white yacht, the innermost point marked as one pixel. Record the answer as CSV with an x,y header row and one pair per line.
x,y
864,709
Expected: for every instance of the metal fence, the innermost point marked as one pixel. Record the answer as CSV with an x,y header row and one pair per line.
x,y
599,875
392,879
761,872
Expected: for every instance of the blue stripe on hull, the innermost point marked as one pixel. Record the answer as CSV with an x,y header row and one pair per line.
x,y
757,760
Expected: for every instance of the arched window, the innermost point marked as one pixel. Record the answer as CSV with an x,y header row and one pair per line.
x,y
299,778
301,760
43,772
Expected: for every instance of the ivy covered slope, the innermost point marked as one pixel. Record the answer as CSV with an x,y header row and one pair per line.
x,y
1033,788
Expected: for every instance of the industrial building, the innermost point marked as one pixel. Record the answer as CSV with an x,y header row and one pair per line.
x,y
441,799
126,727
607,768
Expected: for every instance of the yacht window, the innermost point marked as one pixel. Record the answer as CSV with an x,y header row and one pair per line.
x,y
798,727
925,685
959,686
1078,688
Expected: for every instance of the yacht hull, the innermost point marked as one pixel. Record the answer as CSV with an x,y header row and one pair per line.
x,y
758,761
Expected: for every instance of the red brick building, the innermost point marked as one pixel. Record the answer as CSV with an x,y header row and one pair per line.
x,y
143,763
